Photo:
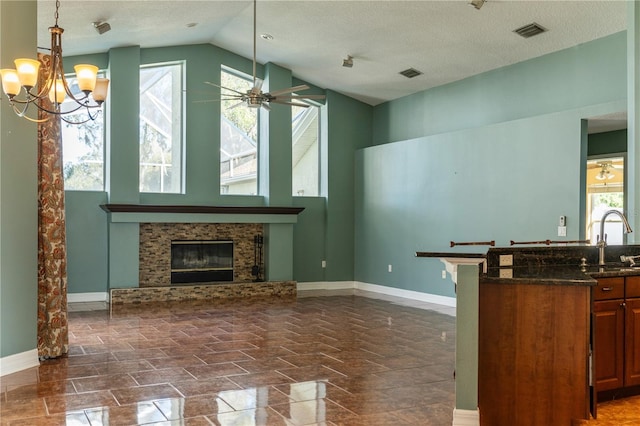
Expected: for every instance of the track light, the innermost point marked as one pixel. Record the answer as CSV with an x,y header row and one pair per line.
x,y
348,63
477,3
102,27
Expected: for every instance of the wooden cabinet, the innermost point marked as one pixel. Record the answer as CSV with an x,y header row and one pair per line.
x,y
632,343
616,333
609,344
608,329
533,354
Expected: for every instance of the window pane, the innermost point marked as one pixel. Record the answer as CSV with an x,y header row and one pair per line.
x,y
161,128
305,132
238,141
82,146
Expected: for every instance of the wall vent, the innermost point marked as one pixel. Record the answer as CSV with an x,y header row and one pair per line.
x,y
411,72
530,30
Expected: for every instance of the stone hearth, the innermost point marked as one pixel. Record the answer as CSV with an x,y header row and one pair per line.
x,y
121,296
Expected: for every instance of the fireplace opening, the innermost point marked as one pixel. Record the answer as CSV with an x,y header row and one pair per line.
x,y
201,261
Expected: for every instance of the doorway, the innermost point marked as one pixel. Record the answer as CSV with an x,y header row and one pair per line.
x,y
605,191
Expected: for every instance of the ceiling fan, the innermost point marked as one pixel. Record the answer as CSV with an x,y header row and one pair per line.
x,y
255,97
605,167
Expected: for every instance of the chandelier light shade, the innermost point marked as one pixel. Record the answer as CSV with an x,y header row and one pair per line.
x,y
20,85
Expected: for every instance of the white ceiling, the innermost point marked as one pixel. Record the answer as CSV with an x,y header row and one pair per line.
x,y
446,40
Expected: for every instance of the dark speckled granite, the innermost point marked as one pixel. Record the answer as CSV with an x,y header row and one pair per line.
x,y
557,265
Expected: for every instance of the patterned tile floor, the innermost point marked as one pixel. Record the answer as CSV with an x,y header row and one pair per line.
x,y
319,359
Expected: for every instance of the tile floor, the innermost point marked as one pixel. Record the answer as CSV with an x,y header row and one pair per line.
x,y
320,359
620,412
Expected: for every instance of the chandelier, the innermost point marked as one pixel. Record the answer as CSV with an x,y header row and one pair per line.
x,y
20,85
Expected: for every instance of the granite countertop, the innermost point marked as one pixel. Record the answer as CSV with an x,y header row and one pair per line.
x,y
556,274
549,265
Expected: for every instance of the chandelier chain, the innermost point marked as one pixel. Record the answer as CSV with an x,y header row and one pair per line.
x,y
56,14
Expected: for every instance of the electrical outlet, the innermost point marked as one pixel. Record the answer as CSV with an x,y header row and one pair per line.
x,y
324,263
390,268
506,273
444,274
562,231
506,260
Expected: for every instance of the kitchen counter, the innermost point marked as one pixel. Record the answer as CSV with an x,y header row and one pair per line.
x,y
556,274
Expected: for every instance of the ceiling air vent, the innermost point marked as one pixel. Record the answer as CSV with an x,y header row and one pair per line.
x,y
411,72
530,30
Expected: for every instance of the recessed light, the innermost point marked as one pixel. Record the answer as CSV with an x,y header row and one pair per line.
x,y
266,36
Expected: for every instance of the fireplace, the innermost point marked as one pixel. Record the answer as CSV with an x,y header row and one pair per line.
x,y
198,261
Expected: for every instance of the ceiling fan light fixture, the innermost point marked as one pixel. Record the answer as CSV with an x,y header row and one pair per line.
x,y
604,175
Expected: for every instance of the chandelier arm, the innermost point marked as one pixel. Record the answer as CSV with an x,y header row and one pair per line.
x,y
23,114
90,117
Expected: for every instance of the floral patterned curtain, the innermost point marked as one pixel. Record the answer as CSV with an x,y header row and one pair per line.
x,y
53,333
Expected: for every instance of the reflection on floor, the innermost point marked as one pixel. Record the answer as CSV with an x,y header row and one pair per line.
x,y
321,359
620,412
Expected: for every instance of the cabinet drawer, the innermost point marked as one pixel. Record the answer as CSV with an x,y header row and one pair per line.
x,y
609,288
632,287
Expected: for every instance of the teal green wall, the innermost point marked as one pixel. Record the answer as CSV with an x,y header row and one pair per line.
x,y
87,243
494,157
18,194
586,74
349,129
608,143
109,250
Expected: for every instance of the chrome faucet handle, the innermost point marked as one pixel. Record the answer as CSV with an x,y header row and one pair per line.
x,y
630,259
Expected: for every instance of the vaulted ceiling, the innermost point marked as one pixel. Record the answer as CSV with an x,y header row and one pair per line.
x,y
446,40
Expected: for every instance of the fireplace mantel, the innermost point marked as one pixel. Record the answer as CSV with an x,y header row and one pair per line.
x,y
148,213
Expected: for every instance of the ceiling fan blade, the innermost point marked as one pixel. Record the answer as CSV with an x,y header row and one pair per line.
x,y
235,105
285,102
301,96
289,90
222,87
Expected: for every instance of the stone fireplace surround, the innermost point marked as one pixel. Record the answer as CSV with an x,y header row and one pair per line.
x,y
201,223
155,247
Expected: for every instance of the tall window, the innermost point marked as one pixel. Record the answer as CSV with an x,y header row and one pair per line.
x,y
83,147
161,105
305,159
238,140
605,191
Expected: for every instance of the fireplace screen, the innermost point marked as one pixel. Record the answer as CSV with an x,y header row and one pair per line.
x,y
201,261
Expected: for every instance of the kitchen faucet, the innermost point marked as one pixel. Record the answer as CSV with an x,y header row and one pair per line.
x,y
602,238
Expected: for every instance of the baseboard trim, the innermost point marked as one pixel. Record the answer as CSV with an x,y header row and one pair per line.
x,y
466,417
326,285
407,294
17,362
87,297
381,289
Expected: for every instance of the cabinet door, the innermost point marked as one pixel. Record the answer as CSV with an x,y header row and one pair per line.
x,y
609,344
632,343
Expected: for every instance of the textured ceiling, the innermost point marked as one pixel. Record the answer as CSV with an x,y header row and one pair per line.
x,y
446,40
